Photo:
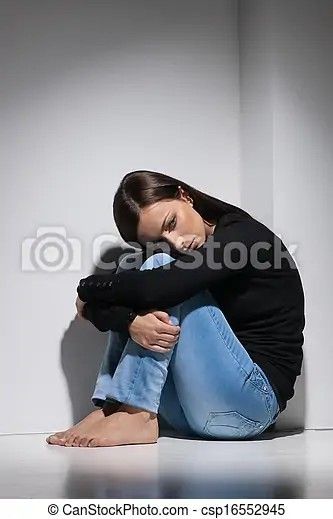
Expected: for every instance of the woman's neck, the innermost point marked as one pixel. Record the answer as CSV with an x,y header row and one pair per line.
x,y
210,228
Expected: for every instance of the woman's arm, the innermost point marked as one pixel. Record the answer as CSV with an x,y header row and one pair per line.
x,y
171,284
112,317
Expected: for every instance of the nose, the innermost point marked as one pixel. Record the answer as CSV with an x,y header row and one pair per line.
x,y
173,240
176,242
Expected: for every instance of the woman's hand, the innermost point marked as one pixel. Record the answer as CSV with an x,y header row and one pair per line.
x,y
79,307
153,331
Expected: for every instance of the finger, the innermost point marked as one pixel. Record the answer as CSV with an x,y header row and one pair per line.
x,y
79,310
164,344
168,328
168,337
155,347
164,317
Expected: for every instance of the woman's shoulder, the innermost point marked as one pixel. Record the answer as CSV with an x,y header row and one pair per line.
x,y
240,220
250,231
242,227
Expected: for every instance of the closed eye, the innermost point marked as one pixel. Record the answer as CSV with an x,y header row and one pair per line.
x,y
172,223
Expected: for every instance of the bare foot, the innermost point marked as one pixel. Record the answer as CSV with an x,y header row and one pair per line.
x,y
128,425
67,436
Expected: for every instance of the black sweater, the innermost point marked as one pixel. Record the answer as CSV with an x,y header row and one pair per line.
x,y
262,299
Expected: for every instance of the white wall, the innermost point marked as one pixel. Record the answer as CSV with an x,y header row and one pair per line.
x,y
233,97
303,181
256,109
286,84
90,91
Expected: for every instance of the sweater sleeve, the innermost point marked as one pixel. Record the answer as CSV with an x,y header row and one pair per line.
x,y
224,254
105,316
108,317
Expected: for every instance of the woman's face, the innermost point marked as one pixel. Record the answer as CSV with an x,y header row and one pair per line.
x,y
174,221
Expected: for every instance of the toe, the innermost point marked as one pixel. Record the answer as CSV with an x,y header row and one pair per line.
x,y
55,436
76,441
53,439
70,439
65,438
84,441
60,434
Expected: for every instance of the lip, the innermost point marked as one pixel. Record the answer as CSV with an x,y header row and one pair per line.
x,y
193,243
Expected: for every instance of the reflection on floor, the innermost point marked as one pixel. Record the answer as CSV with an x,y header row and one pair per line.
x,y
279,465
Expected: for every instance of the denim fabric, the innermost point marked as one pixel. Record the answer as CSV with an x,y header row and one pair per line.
x,y
206,386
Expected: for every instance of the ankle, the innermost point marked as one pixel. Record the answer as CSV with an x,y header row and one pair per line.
x,y
148,415
110,407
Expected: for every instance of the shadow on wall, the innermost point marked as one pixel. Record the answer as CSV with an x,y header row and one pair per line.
x,y
293,417
82,350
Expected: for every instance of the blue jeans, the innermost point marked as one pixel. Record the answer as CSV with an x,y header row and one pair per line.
x,y
207,385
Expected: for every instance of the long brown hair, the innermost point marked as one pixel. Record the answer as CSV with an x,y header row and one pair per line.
x,y
141,188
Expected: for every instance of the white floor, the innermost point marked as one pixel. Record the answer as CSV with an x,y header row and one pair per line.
x,y
289,464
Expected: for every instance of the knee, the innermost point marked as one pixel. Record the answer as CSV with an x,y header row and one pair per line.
x,y
156,260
